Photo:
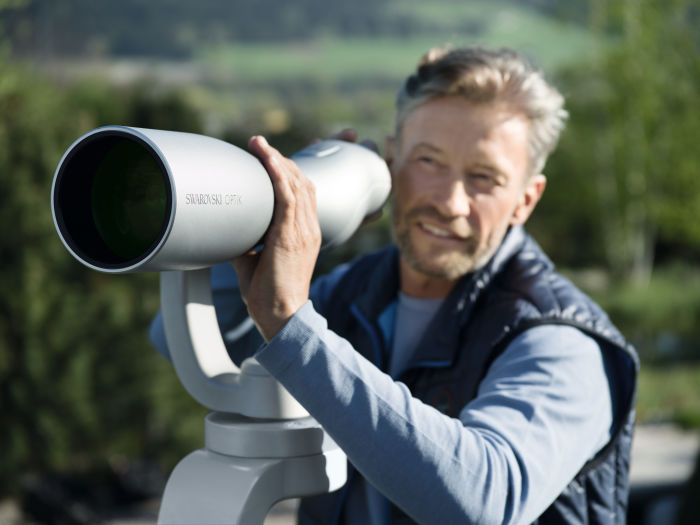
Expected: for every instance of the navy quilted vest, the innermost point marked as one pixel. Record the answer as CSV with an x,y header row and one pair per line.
x,y
517,290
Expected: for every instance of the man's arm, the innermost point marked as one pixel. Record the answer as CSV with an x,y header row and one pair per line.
x,y
542,411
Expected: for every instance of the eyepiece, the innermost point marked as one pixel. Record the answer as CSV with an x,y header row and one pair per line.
x,y
112,199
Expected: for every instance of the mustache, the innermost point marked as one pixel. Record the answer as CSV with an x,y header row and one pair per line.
x,y
460,225
428,212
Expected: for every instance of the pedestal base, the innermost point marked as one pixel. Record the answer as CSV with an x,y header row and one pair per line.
x,y
275,460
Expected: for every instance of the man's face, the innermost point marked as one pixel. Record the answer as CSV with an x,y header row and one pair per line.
x,y
460,178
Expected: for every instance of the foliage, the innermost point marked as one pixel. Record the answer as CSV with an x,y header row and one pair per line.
x,y
669,394
659,316
628,158
78,380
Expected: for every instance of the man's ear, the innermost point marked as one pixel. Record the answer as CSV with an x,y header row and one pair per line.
x,y
534,187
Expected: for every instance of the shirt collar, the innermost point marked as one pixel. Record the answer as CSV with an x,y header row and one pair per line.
x,y
440,342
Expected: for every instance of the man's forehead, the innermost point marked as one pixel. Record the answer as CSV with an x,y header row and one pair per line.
x,y
457,111
486,133
458,119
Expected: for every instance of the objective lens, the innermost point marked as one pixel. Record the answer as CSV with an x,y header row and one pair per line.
x,y
129,199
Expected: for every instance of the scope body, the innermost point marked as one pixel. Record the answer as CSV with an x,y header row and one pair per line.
x,y
133,200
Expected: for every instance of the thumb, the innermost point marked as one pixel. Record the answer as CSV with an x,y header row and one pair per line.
x,y
245,266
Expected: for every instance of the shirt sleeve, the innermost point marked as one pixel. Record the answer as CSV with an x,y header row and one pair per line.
x,y
238,331
542,411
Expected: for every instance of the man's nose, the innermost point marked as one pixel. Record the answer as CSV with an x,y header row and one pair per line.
x,y
453,199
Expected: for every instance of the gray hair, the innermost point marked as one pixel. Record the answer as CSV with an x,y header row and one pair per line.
x,y
486,76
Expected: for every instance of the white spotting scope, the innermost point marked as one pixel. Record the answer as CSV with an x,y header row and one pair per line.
x,y
135,200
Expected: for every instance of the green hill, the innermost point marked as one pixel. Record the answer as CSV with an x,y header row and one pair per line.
x,y
179,29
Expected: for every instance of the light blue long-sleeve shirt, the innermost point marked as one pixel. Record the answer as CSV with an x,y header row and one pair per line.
x,y
543,409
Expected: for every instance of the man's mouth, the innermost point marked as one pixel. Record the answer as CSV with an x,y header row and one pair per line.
x,y
440,232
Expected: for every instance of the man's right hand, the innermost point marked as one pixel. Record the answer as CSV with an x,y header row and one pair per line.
x,y
275,282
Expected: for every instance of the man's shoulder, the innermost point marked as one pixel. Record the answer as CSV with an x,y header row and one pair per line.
x,y
531,292
531,280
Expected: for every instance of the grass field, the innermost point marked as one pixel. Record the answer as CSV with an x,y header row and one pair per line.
x,y
351,81
660,318
550,41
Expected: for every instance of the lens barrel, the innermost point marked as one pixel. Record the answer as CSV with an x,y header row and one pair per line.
x,y
130,200
112,199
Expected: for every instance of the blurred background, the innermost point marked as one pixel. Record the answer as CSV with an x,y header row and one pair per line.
x,y
92,420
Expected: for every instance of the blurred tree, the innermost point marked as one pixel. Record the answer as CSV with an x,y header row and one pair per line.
x,y
79,383
633,133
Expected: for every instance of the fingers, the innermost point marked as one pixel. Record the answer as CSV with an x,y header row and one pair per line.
x,y
350,135
245,267
347,134
284,173
269,156
295,195
372,217
370,144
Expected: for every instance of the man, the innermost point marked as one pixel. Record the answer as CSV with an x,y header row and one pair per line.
x,y
466,381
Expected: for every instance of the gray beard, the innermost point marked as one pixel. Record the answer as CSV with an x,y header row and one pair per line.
x,y
455,266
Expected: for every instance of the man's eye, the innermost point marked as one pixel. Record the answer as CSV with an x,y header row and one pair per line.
x,y
427,160
484,180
